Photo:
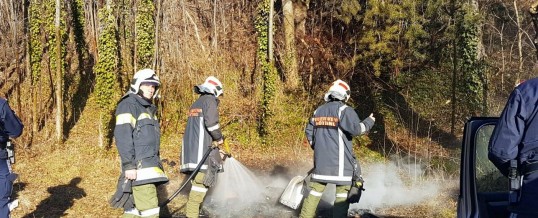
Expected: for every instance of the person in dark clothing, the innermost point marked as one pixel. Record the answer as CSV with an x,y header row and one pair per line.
x,y
11,127
330,132
137,134
201,131
515,137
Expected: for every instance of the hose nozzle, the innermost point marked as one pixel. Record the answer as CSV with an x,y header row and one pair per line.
x,y
226,147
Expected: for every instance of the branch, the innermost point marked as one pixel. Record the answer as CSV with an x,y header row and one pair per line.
x,y
195,30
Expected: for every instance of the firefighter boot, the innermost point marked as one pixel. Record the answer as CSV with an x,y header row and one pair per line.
x,y
310,204
196,196
131,213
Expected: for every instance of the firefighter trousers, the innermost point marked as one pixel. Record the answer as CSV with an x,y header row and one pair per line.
x,y
311,202
146,202
196,196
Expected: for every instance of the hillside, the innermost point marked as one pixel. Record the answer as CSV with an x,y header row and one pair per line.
x,y
422,67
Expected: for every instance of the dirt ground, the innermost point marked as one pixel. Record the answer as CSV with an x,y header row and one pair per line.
x,y
78,182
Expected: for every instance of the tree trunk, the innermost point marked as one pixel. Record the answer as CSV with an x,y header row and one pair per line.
x,y
519,44
214,38
480,57
454,70
290,53
93,23
31,73
503,68
59,78
33,109
158,17
270,32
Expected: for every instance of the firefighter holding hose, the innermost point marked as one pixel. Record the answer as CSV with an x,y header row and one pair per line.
x,y
202,133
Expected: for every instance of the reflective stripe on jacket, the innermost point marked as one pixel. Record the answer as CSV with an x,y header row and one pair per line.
x,y
137,134
202,129
330,132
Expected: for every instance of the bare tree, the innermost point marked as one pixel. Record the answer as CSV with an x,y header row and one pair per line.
x,y
519,43
290,53
59,78
270,40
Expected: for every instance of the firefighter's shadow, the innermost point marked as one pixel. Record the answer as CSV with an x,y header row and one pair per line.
x,y
61,199
17,187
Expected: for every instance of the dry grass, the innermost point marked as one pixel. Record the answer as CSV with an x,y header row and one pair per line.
x,y
77,181
47,185
441,206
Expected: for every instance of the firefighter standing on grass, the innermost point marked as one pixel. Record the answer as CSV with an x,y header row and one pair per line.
x,y
330,133
137,135
201,131
11,126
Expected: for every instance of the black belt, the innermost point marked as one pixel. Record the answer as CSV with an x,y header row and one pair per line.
x,y
529,168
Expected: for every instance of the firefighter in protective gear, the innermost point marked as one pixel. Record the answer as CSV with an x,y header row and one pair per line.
x,y
515,137
201,131
330,132
10,127
137,134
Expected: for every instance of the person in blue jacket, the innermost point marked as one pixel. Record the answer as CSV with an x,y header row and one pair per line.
x,y
11,127
515,137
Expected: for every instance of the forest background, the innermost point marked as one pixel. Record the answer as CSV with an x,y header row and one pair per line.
x,y
423,67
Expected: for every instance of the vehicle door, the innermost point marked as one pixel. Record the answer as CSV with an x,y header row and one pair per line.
x,y
483,189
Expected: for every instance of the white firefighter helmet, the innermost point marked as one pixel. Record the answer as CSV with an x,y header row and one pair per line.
x,y
211,85
145,76
339,90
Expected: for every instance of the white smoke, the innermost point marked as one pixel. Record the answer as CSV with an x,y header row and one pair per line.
x,y
241,193
389,185
237,189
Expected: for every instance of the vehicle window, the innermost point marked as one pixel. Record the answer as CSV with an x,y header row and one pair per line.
x,y
488,178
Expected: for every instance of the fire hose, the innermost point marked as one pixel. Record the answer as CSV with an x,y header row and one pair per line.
x,y
196,170
193,174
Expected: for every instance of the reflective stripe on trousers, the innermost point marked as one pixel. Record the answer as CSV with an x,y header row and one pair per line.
x,y
311,202
196,196
146,202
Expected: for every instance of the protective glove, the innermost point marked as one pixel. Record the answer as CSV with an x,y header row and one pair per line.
x,y
354,194
123,198
369,122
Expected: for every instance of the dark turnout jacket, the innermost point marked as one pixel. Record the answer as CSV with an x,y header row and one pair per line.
x,y
202,129
137,135
515,137
330,132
